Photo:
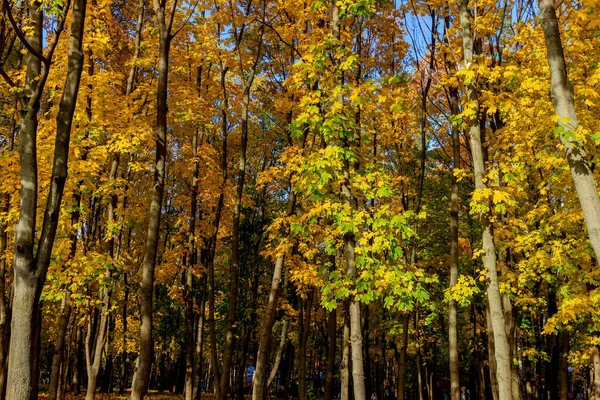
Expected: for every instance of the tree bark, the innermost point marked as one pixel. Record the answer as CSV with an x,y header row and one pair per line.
x,y
279,354
59,344
142,376
401,389
596,360
493,366
189,298
235,233
304,325
30,266
564,365
564,107
452,311
331,346
489,248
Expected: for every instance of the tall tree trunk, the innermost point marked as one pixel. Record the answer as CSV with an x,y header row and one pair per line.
x,y
199,343
564,366
596,375
59,344
259,386
452,311
402,358
356,339
94,349
189,298
142,376
4,307
489,248
235,232
279,354
345,365
564,107
493,366
304,325
30,266
331,346
77,351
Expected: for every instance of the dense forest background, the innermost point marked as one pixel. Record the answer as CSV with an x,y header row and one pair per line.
x,y
302,199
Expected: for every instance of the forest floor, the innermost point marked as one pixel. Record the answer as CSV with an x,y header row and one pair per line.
x,y
115,396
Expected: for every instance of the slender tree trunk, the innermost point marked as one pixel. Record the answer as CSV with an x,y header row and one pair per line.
x,y
402,358
564,365
331,346
142,376
493,366
235,243
75,384
199,344
489,248
189,298
93,351
356,339
304,325
564,107
279,354
452,311
345,366
30,268
596,375
4,307
59,344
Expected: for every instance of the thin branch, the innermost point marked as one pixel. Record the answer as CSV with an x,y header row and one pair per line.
x,y
21,35
7,78
186,20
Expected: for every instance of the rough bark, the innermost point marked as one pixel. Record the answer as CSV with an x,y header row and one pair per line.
x,y
564,107
489,258
31,266
142,376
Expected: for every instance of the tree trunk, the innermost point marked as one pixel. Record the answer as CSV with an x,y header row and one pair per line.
x,y
304,325
452,311
235,232
489,248
402,358
30,268
564,365
259,386
345,365
564,107
596,360
199,344
493,366
331,345
59,344
75,383
189,298
4,307
93,356
142,376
